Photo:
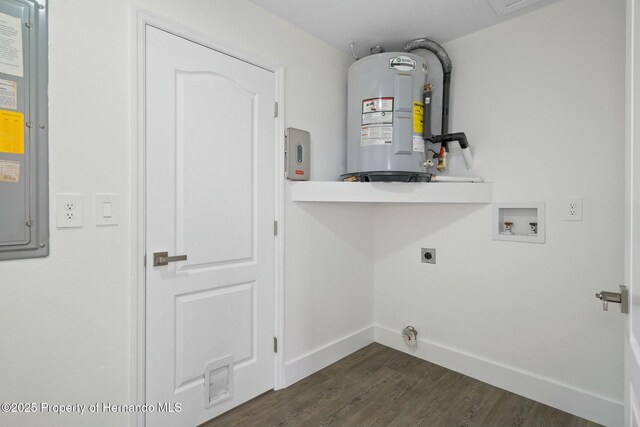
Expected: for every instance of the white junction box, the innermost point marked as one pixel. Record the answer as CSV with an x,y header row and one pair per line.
x,y
519,222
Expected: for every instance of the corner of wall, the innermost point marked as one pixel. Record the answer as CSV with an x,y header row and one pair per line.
x,y
324,356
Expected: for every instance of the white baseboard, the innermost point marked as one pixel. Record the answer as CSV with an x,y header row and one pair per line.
x,y
312,362
579,402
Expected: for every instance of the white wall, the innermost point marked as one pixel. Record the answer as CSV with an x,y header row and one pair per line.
x,y
541,98
65,320
329,284
535,95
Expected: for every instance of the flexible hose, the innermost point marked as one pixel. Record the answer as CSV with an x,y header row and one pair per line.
x,y
445,61
434,47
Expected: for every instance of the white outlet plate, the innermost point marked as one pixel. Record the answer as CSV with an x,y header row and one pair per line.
x,y
106,209
69,210
572,209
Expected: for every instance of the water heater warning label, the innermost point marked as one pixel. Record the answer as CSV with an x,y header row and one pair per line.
x,y
418,117
376,135
377,118
377,121
375,105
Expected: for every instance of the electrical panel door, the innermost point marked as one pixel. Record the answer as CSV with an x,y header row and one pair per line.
x,y
24,200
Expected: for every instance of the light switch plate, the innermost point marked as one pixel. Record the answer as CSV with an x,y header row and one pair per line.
x,y
69,210
106,209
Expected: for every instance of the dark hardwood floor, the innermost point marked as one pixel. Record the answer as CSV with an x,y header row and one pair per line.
x,y
379,386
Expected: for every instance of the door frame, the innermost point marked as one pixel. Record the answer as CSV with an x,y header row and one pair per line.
x,y
631,345
140,18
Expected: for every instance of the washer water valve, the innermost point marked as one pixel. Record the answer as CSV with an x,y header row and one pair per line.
x,y
410,336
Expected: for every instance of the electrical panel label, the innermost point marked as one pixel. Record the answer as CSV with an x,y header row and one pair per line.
x,y
8,94
418,117
11,132
9,171
11,45
377,121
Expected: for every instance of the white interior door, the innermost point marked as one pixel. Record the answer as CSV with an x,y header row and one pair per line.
x,y
632,246
210,189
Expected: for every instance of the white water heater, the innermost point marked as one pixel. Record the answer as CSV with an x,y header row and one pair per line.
x,y
385,126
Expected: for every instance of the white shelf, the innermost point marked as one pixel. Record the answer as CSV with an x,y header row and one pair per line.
x,y
390,192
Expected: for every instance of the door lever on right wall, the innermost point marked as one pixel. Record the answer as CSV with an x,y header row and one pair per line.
x,y
621,298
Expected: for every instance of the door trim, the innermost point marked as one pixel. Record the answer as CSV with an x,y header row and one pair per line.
x,y
140,19
631,346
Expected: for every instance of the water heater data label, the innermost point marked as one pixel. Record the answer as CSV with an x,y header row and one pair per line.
x,y
418,143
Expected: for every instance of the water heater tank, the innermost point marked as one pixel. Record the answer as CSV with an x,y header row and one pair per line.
x,y
385,117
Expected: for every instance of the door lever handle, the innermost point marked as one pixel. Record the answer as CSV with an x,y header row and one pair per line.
x,y
163,258
621,298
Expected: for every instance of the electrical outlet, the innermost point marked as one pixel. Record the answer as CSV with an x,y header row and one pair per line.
x,y
69,210
572,209
428,256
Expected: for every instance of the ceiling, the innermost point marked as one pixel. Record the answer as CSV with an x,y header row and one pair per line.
x,y
391,23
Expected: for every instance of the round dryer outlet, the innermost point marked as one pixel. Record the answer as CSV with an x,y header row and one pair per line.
x,y
428,255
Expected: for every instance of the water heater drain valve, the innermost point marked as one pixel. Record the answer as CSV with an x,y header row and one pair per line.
x,y
410,336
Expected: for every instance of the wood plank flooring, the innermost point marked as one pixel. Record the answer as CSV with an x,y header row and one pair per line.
x,y
379,386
